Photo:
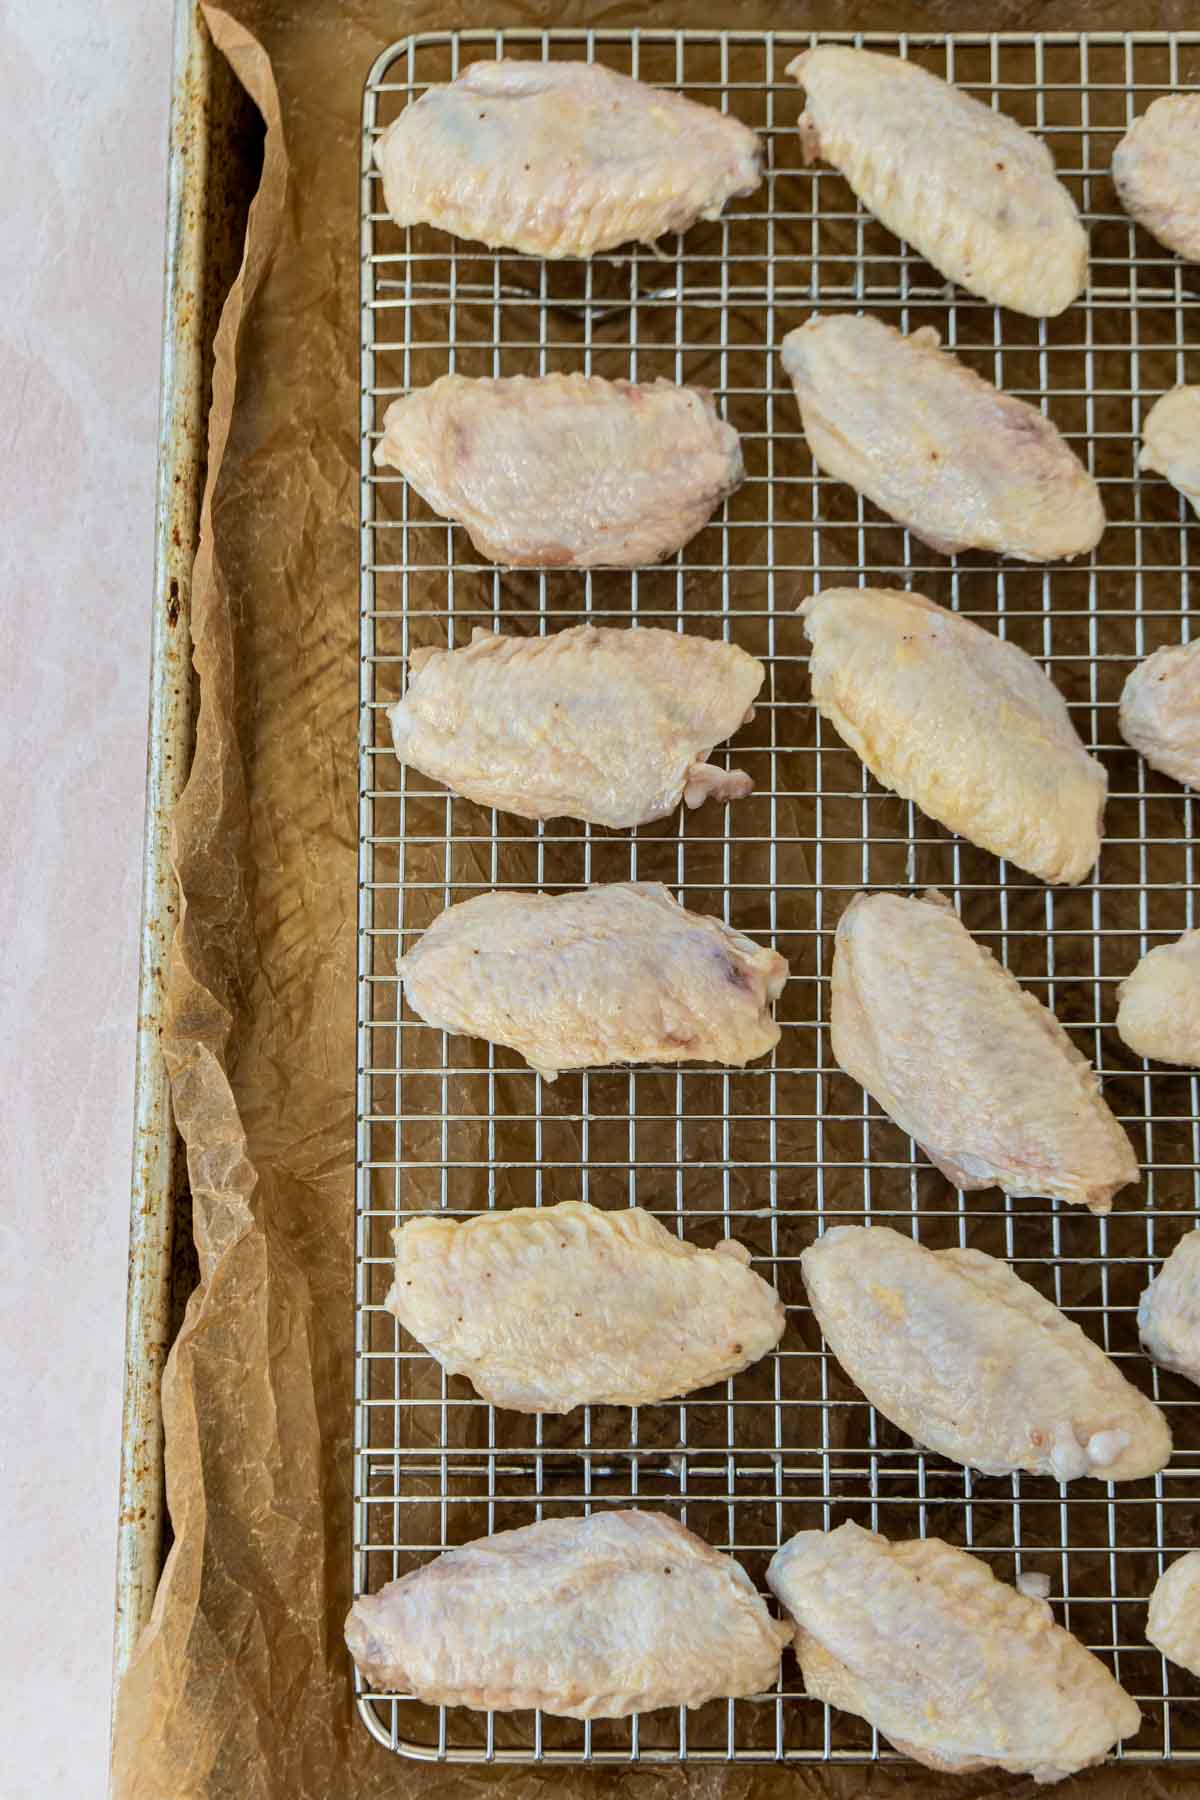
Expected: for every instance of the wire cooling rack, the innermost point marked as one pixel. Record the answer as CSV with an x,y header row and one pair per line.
x,y
776,1152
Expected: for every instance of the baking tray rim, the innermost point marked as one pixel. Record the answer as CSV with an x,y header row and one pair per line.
x,y
158,1152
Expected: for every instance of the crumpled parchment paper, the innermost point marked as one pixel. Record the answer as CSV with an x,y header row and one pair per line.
x,y
240,1689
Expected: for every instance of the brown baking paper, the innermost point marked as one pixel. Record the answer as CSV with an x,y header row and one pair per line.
x,y
241,1685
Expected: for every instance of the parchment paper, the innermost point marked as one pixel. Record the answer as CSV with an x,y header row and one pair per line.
x,y
241,1686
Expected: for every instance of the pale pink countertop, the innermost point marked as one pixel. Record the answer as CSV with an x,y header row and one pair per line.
x,y
83,114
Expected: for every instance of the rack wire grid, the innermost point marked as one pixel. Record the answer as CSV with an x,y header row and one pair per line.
x,y
774,1153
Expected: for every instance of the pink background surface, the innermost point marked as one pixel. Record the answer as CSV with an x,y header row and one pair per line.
x,y
83,119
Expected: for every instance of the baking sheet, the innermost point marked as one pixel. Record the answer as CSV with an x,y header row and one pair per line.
x,y
241,1685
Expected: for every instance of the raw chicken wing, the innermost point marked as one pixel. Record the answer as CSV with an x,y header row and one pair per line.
x,y
1169,1311
591,723
1171,441
1173,1625
956,1669
548,1308
969,188
1156,172
588,1618
617,973
561,159
1160,711
565,471
941,450
1158,1012
963,723
954,1348
975,1069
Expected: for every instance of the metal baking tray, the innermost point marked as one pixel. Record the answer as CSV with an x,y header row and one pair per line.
x,y
776,1152
213,163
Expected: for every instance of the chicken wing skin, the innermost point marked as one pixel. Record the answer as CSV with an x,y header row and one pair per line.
x,y
1156,172
616,973
1173,1624
974,192
955,1668
954,1348
565,471
612,726
974,1068
907,685
1171,441
1160,711
1169,1311
1158,1011
587,1618
561,159
941,450
549,1308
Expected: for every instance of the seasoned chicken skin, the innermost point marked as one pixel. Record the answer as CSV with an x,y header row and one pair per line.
x,y
974,192
608,725
1169,1311
1171,440
1158,1012
616,973
975,1069
954,1348
1156,172
548,1308
561,159
963,723
1173,1624
1160,711
955,1668
588,1618
941,450
557,471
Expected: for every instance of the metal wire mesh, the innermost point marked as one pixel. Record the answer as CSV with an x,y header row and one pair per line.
x,y
774,1153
